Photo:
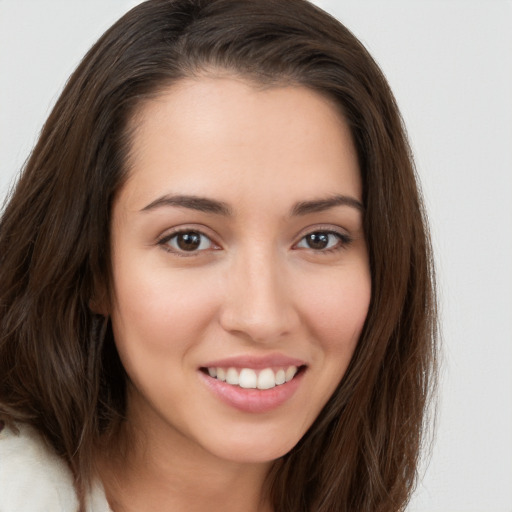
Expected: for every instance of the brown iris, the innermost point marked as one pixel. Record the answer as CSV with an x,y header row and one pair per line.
x,y
319,240
188,241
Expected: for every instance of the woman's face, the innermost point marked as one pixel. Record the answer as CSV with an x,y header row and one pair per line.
x,y
240,269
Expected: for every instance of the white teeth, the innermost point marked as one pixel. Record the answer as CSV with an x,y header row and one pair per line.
x,y
280,377
266,379
248,378
290,373
232,376
221,374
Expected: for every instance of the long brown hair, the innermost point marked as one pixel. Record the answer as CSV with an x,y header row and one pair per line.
x,y
59,370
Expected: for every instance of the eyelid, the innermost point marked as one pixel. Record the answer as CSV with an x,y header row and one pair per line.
x,y
325,228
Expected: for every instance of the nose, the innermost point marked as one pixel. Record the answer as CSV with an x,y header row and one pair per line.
x,y
259,301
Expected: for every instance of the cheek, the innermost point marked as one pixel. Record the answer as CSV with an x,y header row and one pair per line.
x,y
156,311
337,312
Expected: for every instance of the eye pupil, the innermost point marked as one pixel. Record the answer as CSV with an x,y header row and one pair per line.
x,y
188,241
318,240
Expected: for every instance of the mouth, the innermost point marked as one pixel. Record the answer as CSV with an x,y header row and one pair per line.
x,y
251,378
254,384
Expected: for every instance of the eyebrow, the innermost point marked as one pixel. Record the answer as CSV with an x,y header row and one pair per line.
x,y
203,204
320,205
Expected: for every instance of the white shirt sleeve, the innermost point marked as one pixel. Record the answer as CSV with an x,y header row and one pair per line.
x,y
32,477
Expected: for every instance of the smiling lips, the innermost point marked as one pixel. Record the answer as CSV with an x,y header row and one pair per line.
x,y
254,385
248,378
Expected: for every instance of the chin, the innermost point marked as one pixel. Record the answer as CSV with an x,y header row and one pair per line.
x,y
253,448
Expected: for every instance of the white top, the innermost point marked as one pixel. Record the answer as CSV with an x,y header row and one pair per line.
x,y
33,478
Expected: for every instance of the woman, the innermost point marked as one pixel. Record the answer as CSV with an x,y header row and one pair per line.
x,y
215,275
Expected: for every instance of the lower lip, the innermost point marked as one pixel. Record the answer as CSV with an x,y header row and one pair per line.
x,y
253,400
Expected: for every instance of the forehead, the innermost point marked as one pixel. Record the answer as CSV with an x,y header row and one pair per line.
x,y
223,135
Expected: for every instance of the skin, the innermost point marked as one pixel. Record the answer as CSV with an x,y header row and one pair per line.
x,y
253,287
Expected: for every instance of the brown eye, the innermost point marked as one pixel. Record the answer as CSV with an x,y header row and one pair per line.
x,y
189,241
324,241
318,240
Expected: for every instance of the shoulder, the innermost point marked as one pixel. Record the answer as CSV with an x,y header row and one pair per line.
x,y
32,477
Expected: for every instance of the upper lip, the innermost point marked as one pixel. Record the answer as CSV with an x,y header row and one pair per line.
x,y
255,362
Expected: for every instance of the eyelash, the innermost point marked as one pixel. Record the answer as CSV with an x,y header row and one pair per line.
x,y
344,241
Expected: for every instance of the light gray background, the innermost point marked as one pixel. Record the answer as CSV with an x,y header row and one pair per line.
x,y
450,65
